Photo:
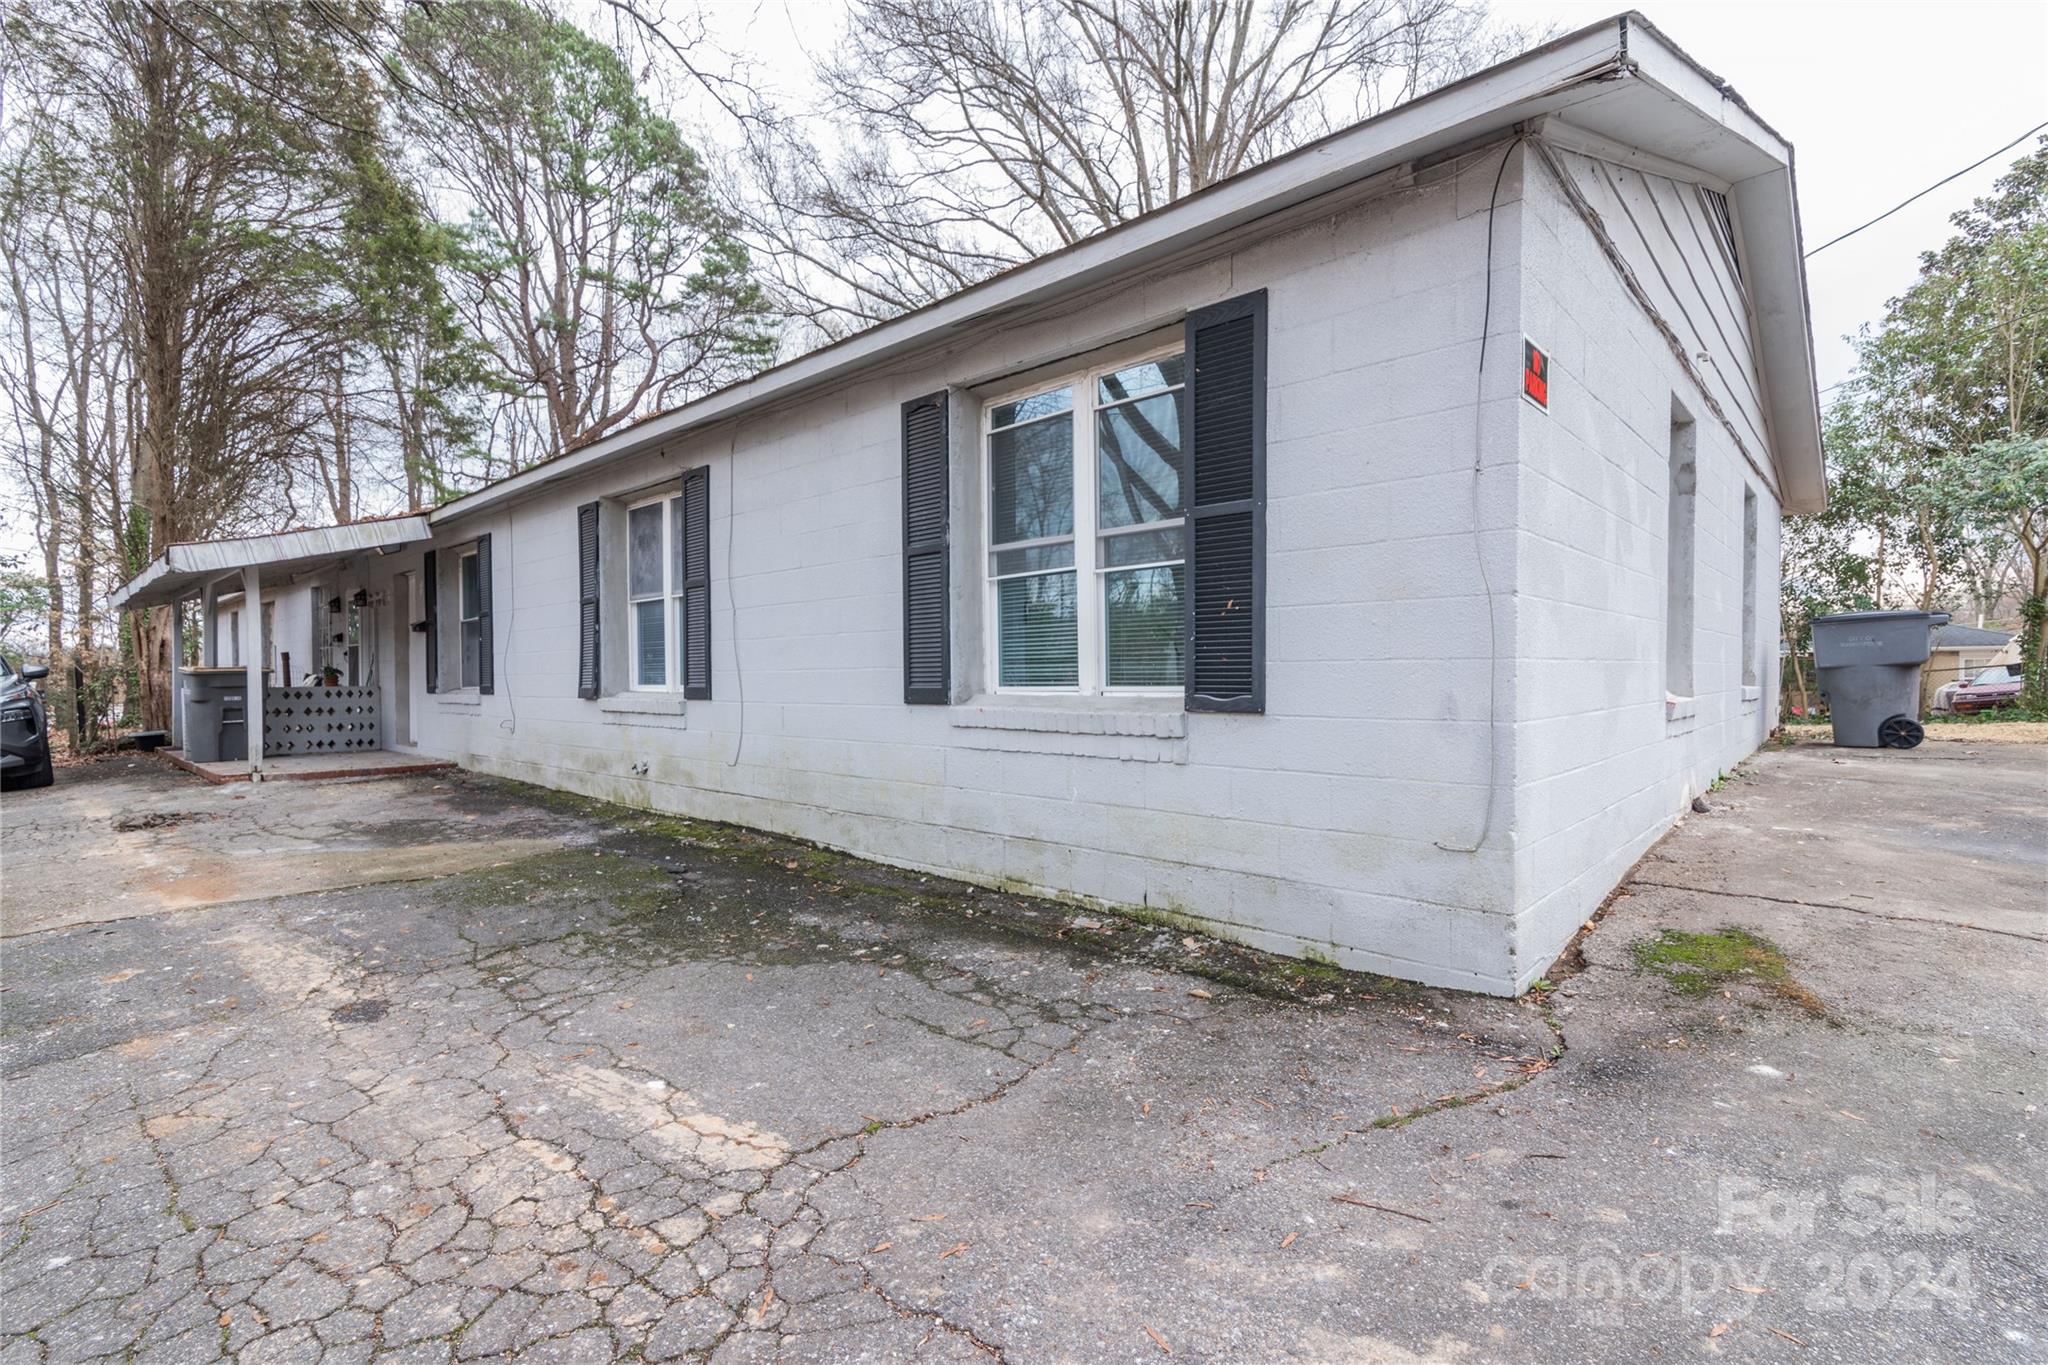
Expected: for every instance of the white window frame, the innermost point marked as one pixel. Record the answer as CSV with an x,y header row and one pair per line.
x,y
1091,623
466,684
671,596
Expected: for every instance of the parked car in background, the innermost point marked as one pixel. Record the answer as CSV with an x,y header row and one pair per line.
x,y
1998,686
24,727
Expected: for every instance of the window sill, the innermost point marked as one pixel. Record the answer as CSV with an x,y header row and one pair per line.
x,y
468,699
642,704
1752,695
1680,714
1139,717
1130,728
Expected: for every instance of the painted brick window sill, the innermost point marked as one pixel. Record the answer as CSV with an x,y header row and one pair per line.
x,y
1680,708
1752,695
459,701
1136,717
655,710
1133,729
643,703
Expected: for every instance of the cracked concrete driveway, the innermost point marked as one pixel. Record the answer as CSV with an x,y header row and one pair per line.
x,y
580,1084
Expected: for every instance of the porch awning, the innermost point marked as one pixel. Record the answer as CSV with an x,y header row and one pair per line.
x,y
183,570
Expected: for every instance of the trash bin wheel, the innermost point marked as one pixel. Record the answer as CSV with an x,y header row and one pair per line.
x,y
1900,732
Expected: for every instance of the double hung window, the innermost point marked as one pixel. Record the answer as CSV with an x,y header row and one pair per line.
x,y
1087,531
654,588
470,602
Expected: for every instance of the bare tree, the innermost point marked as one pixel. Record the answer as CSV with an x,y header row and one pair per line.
x,y
979,133
181,206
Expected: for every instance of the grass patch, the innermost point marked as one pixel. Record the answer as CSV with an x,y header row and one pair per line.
x,y
1702,964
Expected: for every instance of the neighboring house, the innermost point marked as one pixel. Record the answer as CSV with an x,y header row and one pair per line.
x,y
1201,566
1960,653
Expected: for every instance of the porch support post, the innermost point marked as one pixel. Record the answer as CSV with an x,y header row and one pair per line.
x,y
209,628
177,673
252,660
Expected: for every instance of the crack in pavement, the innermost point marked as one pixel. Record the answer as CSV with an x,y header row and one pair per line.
x,y
491,1162
1834,905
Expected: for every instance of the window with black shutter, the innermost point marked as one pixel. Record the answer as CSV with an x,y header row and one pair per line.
x,y
926,500
486,668
1087,534
1226,506
430,592
588,600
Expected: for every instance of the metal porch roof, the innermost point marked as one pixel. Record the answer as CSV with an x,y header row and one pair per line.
x,y
183,569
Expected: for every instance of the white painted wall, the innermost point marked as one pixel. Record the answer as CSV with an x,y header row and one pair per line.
x,y
1309,829
1604,765
291,627
1394,732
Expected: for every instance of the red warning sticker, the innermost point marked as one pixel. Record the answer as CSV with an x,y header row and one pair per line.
x,y
1535,375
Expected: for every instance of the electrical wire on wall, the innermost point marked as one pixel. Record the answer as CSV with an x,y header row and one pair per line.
x,y
510,725
1478,544
732,610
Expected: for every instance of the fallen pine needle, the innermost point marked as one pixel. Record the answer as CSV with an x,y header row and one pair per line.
x,y
1787,1335
953,1250
1288,1240
1368,1204
881,1247
1749,1289
1157,1340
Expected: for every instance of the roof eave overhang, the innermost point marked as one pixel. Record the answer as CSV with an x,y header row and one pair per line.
x,y
183,570
1758,164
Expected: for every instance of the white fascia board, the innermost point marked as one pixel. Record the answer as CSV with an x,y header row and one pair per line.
x,y
1538,82
1767,210
141,583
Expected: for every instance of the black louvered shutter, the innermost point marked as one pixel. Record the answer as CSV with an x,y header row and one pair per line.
x,y
430,592
486,672
697,584
927,646
587,638
1226,458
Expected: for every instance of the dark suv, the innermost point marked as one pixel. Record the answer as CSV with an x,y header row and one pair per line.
x,y
24,727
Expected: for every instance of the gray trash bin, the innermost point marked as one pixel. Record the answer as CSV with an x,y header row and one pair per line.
x,y
216,714
1869,666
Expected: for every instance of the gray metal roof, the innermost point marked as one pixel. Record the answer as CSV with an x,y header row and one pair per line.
x,y
1970,637
183,569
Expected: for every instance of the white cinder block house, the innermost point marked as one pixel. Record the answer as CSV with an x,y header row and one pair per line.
x,y
1367,557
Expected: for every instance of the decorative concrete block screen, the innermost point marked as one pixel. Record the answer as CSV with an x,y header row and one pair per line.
x,y
319,720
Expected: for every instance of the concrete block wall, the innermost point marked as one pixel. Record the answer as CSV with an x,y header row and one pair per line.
x,y
1325,827
1602,768
1331,826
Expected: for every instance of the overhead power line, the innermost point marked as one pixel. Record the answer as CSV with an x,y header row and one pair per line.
x,y
1929,190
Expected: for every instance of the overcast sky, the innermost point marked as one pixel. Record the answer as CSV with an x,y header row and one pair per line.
x,y
1880,101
